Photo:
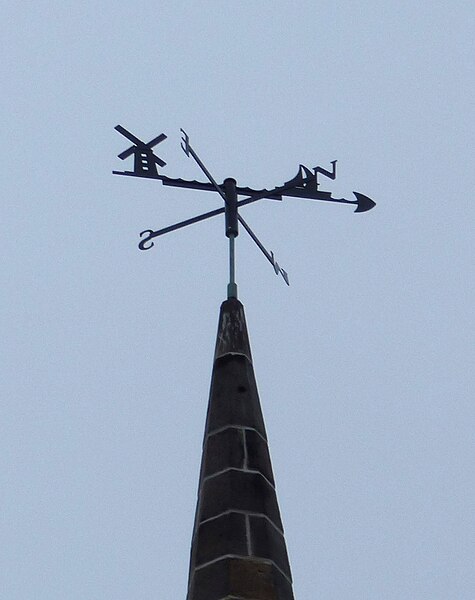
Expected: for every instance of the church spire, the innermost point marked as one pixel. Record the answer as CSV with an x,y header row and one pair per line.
x,y
238,549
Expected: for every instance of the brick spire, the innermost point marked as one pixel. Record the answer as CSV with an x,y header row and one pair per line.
x,y
238,549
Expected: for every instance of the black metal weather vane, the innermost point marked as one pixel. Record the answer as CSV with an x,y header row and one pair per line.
x,y
304,185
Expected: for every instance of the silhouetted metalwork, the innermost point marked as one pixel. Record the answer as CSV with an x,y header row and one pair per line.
x,y
304,185
145,163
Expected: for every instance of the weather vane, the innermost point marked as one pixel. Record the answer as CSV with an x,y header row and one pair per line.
x,y
304,185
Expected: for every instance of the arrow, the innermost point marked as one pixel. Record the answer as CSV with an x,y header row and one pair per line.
x,y
299,187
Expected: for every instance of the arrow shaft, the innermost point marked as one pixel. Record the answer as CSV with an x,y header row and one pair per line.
x,y
274,194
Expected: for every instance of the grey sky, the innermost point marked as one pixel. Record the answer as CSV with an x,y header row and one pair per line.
x,y
364,364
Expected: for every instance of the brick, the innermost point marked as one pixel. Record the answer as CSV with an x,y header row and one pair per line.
x,y
216,538
267,542
258,458
234,399
245,578
222,450
240,491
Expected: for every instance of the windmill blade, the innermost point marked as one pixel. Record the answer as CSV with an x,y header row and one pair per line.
x,y
157,140
127,152
159,161
364,203
129,136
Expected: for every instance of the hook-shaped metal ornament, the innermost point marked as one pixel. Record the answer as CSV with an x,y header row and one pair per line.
x,y
149,237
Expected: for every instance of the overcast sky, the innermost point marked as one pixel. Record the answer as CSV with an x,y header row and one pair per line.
x,y
364,364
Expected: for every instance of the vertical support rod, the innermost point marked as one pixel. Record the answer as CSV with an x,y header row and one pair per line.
x,y
232,286
232,231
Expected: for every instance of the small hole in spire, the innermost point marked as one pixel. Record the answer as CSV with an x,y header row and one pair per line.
x,y
242,389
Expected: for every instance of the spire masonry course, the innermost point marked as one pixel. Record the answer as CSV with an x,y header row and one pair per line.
x,y
238,549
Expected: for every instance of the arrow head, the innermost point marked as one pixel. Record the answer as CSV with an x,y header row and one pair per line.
x,y
363,202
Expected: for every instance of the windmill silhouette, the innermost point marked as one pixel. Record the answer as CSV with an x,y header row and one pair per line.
x,y
145,161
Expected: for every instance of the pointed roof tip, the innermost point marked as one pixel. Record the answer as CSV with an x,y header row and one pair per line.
x,y
232,337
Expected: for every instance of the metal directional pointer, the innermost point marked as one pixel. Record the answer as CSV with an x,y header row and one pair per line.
x,y
304,185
